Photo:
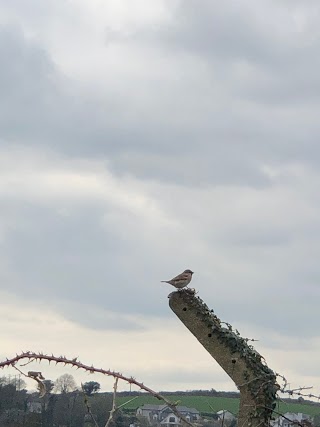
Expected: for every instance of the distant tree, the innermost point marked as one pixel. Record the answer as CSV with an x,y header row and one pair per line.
x,y
91,387
12,403
101,405
65,384
17,382
68,409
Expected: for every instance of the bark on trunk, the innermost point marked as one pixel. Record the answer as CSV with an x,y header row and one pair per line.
x,y
245,366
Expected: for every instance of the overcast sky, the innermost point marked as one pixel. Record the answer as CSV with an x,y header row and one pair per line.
x,y
139,138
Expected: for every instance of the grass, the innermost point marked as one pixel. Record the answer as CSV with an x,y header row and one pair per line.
x,y
214,404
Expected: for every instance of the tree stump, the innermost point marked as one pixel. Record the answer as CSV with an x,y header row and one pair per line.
x,y
244,365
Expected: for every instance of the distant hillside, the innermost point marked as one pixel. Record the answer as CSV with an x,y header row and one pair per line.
x,y
208,404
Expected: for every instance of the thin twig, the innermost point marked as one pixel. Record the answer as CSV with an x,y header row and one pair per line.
x,y
250,381
21,372
288,419
114,407
27,363
42,387
125,403
210,406
88,406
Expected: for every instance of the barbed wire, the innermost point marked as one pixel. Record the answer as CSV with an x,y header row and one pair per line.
x,y
299,391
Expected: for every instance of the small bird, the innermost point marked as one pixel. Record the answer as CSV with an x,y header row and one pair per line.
x,y
181,280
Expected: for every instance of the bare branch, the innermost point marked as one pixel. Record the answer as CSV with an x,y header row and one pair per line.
x,y
128,401
88,406
39,357
36,376
114,407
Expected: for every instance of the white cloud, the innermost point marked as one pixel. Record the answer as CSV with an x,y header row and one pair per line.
x,y
28,176
149,354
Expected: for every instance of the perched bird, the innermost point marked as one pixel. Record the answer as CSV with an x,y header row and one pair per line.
x,y
181,280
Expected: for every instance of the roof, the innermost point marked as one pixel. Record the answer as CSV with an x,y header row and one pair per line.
x,y
186,409
296,414
149,407
224,411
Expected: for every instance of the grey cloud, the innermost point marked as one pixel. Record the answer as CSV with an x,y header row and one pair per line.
x,y
223,31
190,170
214,135
98,316
204,124
257,236
28,94
38,105
74,258
265,39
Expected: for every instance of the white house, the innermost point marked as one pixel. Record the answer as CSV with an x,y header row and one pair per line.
x,y
225,415
171,421
284,422
163,415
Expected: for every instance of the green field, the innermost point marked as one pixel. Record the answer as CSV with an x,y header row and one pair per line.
x,y
214,404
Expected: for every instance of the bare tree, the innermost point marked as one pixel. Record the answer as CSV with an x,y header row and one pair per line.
x,y
65,384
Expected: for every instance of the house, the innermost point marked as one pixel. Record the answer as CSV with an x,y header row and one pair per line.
x,y
170,421
298,418
163,415
225,415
